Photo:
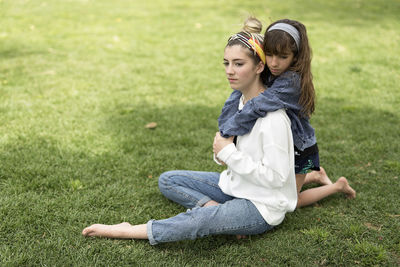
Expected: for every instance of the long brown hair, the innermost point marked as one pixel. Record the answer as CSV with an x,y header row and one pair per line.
x,y
278,42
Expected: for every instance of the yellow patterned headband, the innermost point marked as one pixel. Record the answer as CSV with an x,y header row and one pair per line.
x,y
251,43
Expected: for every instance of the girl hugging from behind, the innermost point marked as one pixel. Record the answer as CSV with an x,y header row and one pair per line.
x,y
288,79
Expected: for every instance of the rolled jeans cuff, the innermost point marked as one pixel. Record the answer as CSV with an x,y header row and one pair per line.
x,y
150,233
203,201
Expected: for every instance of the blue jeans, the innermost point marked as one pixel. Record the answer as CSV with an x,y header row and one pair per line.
x,y
192,189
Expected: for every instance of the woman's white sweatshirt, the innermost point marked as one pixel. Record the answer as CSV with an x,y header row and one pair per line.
x,y
261,167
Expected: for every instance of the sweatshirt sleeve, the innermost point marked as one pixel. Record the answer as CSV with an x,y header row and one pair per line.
x,y
273,169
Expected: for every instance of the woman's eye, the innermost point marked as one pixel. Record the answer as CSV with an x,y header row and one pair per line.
x,y
239,64
225,64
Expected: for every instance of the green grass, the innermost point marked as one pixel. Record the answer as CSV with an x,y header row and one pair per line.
x,y
79,80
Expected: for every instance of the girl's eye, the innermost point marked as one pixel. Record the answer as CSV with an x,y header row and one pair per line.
x,y
283,57
239,64
225,63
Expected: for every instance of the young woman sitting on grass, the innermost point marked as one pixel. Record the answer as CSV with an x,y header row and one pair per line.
x,y
289,80
258,187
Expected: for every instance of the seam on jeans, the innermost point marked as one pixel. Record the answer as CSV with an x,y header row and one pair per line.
x,y
195,178
218,231
242,227
187,196
245,227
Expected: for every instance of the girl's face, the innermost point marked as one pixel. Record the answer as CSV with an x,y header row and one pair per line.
x,y
240,68
278,64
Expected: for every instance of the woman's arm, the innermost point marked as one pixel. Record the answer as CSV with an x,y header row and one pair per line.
x,y
273,169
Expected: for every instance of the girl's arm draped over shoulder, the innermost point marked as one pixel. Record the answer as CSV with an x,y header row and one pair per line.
x,y
230,107
284,93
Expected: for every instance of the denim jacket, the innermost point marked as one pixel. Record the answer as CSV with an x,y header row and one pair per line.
x,y
283,93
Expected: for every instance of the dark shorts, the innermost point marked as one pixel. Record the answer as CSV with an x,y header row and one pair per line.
x,y
306,160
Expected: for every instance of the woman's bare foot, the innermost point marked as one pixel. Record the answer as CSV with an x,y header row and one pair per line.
x,y
122,230
211,203
319,177
345,188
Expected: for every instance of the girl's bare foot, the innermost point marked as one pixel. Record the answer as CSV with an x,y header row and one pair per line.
x,y
122,230
345,188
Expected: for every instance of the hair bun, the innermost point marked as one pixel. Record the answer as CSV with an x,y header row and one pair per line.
x,y
252,25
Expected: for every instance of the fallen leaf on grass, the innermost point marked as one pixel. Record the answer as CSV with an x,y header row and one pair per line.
x,y
373,227
151,125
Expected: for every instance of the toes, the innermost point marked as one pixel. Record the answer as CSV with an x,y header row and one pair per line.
x,y
352,194
86,231
90,230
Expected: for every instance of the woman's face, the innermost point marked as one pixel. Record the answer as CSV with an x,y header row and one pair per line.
x,y
240,68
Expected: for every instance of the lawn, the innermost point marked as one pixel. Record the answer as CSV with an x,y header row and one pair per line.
x,y
80,79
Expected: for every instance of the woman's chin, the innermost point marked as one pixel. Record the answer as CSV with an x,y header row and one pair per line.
x,y
234,87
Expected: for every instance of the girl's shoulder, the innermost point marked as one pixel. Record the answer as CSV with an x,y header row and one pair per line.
x,y
290,75
289,80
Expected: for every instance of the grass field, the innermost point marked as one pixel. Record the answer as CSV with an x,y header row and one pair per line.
x,y
79,80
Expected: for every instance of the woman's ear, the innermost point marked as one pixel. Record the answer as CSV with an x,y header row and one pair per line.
x,y
260,67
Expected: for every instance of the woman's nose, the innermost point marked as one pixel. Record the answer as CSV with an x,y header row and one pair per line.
x,y
229,69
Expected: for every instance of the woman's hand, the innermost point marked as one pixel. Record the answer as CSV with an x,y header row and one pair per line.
x,y
221,142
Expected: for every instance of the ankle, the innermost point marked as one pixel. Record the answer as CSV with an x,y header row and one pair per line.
x,y
211,203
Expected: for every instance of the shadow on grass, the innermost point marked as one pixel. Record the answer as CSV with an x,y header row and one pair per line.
x,y
345,132
77,188
19,51
183,136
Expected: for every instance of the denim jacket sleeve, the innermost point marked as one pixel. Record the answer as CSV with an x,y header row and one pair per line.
x,y
229,109
284,93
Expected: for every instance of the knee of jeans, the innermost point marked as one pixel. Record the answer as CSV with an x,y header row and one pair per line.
x,y
164,180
